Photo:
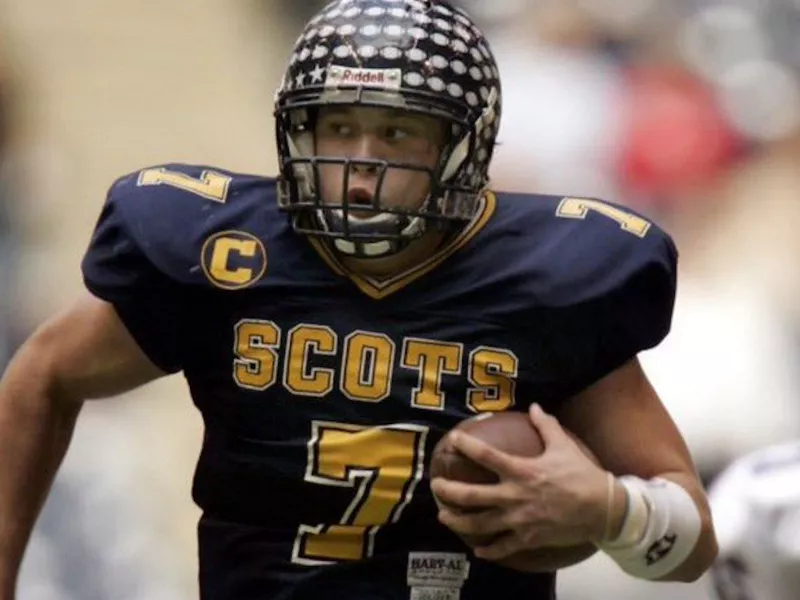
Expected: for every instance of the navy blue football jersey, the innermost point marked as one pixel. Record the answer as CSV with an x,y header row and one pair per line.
x,y
323,392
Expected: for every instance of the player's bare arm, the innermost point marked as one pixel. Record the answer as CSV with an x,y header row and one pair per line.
x,y
563,498
83,353
637,436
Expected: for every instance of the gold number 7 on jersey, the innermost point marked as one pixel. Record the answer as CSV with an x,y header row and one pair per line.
x,y
578,208
211,185
382,464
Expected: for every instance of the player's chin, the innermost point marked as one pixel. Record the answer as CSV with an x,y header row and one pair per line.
x,y
407,201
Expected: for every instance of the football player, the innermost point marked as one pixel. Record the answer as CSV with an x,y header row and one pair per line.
x,y
756,506
333,323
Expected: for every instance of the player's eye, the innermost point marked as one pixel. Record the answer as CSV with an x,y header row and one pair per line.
x,y
337,128
396,134
342,129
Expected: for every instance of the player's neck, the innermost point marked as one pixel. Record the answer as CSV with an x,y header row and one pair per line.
x,y
415,253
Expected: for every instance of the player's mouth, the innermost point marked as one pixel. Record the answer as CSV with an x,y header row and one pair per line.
x,y
360,196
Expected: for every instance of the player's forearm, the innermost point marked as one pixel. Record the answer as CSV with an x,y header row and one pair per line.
x,y
36,423
705,550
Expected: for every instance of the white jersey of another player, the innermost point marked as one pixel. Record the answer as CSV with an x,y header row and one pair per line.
x,y
755,504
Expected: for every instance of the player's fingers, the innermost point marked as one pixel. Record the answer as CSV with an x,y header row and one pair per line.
x,y
547,425
500,547
485,454
468,495
485,522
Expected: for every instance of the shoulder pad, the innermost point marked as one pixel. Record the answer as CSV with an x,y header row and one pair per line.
x,y
169,211
148,244
595,278
581,249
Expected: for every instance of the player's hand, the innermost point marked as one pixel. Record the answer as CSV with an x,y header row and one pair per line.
x,y
555,499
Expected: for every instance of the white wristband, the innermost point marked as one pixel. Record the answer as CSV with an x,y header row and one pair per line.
x,y
660,530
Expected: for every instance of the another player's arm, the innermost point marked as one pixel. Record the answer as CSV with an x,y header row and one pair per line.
x,y
622,420
83,353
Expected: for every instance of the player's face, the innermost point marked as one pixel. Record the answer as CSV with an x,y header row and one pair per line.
x,y
378,134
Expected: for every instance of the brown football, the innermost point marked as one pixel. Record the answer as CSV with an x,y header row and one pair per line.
x,y
511,432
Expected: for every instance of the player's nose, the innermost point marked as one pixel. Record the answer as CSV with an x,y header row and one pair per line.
x,y
367,147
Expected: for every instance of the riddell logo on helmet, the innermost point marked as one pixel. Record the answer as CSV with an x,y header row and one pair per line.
x,y
389,79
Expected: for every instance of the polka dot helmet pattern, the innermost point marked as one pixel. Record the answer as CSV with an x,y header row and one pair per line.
x,y
425,56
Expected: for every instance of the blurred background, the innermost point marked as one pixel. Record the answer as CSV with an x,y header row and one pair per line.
x,y
687,110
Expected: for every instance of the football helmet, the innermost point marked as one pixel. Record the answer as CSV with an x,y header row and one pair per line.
x,y
421,56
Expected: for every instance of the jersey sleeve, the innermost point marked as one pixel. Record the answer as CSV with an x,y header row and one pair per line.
x,y
618,302
636,315
118,270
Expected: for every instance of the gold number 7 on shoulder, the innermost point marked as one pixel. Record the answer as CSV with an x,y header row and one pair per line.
x,y
210,185
578,208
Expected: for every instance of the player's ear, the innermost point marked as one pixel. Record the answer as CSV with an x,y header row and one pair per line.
x,y
445,134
